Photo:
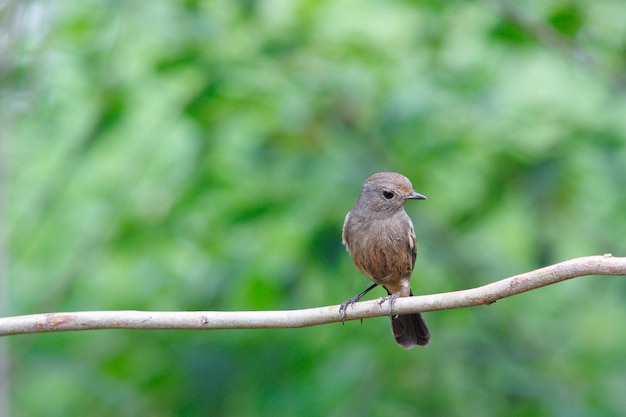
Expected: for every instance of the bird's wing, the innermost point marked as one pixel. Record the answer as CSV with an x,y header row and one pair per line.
x,y
412,244
344,236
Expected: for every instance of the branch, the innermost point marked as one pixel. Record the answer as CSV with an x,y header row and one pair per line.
x,y
203,320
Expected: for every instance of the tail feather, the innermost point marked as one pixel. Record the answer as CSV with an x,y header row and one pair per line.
x,y
410,330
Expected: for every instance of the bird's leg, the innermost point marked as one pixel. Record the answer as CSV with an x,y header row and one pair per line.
x,y
350,301
403,291
391,298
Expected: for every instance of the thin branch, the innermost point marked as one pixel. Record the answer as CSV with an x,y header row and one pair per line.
x,y
202,320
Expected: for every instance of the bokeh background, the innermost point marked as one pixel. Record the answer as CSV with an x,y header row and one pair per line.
x,y
202,155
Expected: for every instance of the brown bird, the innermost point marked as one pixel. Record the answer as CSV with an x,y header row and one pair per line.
x,y
381,240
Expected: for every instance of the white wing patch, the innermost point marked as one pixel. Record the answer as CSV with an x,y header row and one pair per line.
x,y
412,239
344,241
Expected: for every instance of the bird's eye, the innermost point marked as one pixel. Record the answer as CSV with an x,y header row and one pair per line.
x,y
388,195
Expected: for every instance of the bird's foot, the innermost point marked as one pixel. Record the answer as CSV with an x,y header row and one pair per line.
x,y
351,301
344,306
391,298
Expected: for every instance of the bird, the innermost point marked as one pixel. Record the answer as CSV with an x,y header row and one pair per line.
x,y
380,237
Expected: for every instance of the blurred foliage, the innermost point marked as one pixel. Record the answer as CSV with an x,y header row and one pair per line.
x,y
202,155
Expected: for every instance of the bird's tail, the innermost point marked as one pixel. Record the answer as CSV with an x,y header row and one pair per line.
x,y
410,330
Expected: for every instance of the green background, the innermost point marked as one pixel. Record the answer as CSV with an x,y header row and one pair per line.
x,y
202,156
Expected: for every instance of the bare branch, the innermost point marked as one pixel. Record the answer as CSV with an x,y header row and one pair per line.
x,y
487,294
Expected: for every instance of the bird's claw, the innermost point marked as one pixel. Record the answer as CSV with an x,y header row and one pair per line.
x,y
344,306
391,298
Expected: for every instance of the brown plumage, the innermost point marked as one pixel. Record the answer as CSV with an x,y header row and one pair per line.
x,y
381,240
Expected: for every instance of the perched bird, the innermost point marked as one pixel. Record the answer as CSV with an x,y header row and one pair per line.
x,y
381,240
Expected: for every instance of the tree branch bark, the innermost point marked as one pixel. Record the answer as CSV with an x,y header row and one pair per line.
x,y
204,320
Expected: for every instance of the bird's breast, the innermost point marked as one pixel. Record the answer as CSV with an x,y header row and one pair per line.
x,y
382,249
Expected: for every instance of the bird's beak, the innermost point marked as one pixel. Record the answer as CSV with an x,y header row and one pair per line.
x,y
415,196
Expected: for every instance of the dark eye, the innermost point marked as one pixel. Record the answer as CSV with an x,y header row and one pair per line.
x,y
388,195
